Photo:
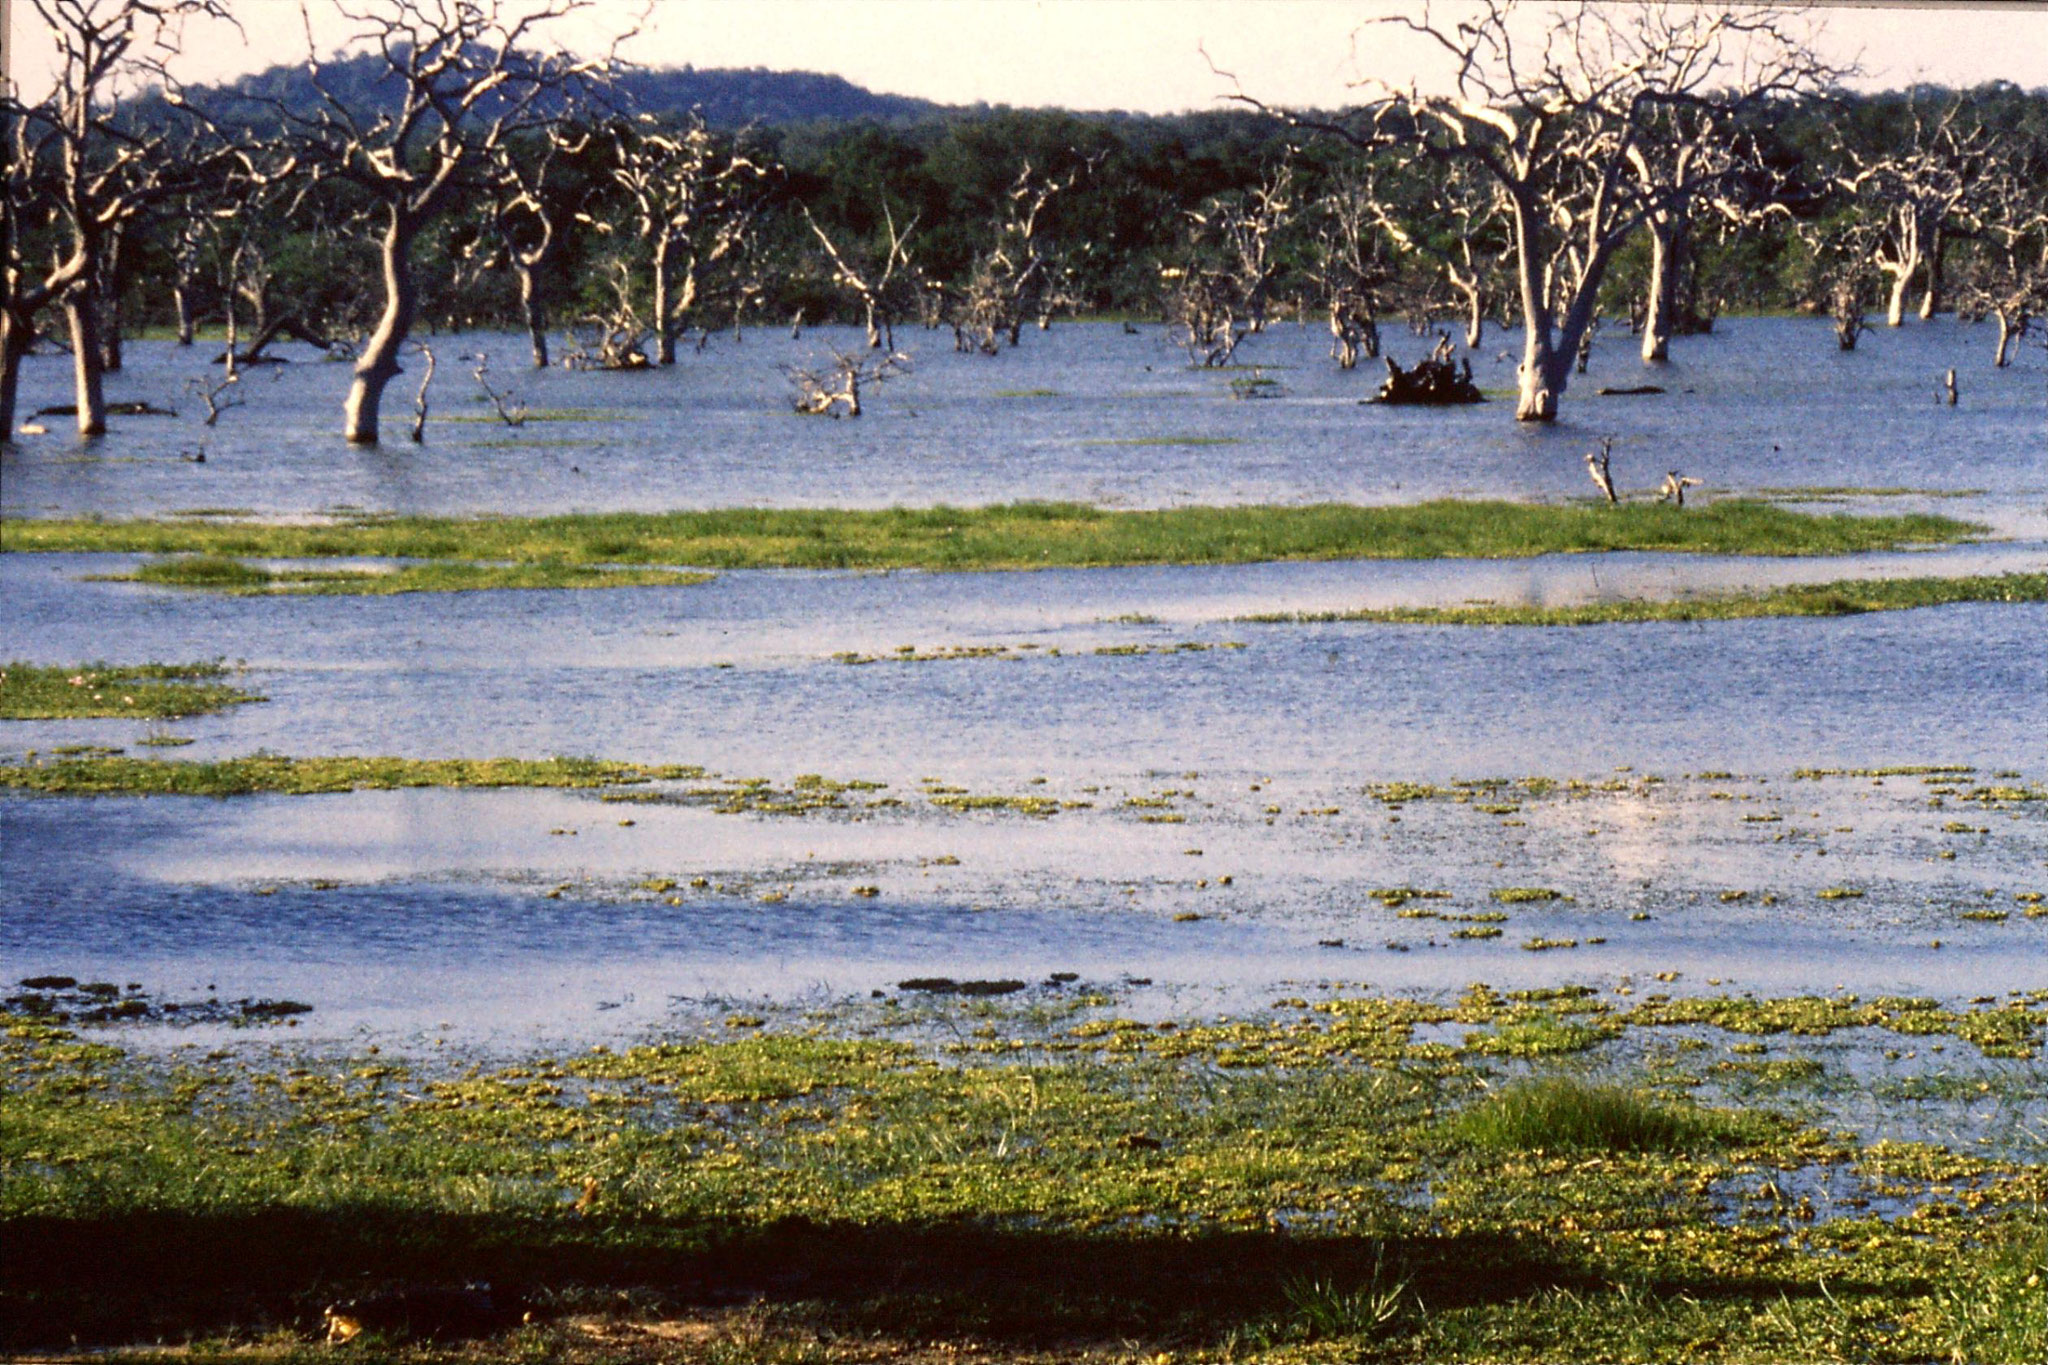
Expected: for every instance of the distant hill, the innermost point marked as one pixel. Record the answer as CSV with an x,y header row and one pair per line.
x,y
728,98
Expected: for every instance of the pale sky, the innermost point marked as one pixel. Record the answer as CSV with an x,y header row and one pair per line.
x,y
1098,54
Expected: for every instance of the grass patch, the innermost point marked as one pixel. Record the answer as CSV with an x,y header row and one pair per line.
x,y
866,1196
1019,535
215,573
158,691
1848,597
1561,1114
105,774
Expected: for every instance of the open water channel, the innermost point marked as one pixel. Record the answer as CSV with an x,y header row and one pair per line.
x,y
1115,776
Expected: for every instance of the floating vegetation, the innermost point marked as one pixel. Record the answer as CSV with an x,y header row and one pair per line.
x,y
1015,535
1526,895
912,654
1847,597
1233,1187
157,691
239,578
110,775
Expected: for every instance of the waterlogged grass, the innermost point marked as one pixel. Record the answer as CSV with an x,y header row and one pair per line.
x,y
1847,597
111,774
1563,1114
1000,1196
1018,535
216,573
157,691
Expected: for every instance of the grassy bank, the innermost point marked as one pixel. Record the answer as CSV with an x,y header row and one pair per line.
x,y
155,691
218,573
1055,1184
1020,535
1847,597
99,774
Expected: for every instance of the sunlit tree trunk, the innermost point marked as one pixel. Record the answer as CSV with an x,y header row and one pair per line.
x,y
1667,251
535,314
82,312
378,365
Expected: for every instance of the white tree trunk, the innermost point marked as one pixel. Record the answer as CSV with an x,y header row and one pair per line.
x,y
2004,356
82,312
1662,300
14,342
378,365
664,329
536,316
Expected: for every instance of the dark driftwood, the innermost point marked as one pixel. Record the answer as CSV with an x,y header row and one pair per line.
x,y
284,326
1629,391
1435,382
113,410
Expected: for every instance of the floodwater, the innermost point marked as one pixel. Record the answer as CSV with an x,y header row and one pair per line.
x,y
505,917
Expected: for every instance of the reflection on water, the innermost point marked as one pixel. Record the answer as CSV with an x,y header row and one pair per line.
x,y
1760,403
470,907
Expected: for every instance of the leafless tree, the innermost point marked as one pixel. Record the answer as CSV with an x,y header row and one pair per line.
x,y
1924,192
1017,277
615,339
691,197
1348,264
881,276
81,175
466,78
1452,219
1553,119
1221,288
2008,277
524,213
1838,278
835,390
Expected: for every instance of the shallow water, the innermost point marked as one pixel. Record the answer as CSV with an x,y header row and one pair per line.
x,y
441,921
1760,403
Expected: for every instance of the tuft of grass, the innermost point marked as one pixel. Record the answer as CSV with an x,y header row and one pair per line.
x,y
1560,1114
215,573
1017,535
110,774
1847,597
157,691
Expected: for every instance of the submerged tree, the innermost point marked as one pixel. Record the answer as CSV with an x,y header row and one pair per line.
x,y
690,197
81,174
463,78
1559,121
1220,290
1016,278
1923,192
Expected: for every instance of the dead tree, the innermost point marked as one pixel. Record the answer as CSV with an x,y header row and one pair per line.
x,y
1552,122
80,172
880,276
1672,490
1925,192
1450,219
1221,289
835,391
1349,267
1838,276
524,209
1017,277
464,78
690,198
1599,466
2007,279
1434,381
615,339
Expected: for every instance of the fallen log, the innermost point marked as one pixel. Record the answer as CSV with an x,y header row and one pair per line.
x,y
1627,391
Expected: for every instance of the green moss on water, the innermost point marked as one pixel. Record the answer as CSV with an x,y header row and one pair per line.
x,y
1847,597
156,690
1017,535
217,573
1233,1189
114,775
